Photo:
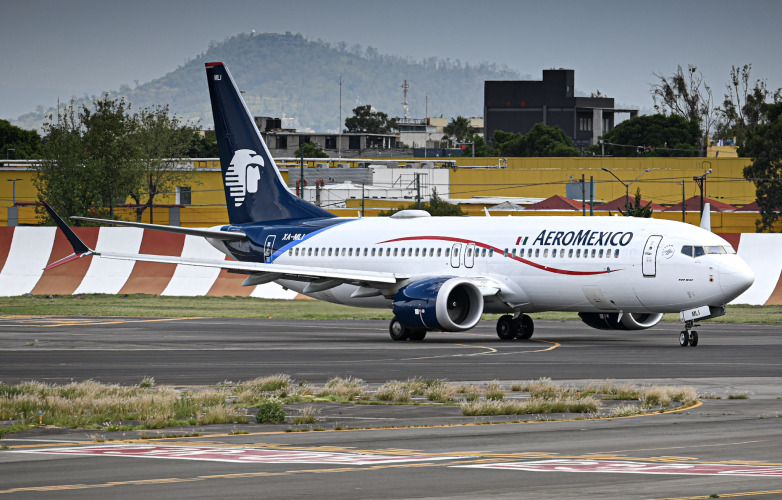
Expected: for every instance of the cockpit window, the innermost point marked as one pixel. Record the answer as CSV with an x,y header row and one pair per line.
x,y
687,250
698,251
714,249
729,249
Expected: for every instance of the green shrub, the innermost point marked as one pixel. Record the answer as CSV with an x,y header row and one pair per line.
x,y
270,412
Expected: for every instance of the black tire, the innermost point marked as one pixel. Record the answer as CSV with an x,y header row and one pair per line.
x,y
417,335
693,338
526,327
684,339
398,331
505,328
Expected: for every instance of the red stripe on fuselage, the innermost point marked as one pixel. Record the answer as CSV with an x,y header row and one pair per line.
x,y
489,247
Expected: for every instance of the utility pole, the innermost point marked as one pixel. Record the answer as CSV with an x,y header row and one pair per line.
x,y
583,197
339,128
683,207
700,180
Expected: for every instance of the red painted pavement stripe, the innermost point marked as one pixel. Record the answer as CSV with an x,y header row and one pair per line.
x,y
153,277
627,467
64,279
236,455
6,236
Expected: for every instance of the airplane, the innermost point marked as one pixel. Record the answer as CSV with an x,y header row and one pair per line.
x,y
443,273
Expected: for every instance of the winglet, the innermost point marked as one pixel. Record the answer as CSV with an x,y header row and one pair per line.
x,y
80,249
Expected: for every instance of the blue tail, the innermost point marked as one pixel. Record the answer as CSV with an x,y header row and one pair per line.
x,y
254,188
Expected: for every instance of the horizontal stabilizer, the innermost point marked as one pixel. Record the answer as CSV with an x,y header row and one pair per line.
x,y
204,233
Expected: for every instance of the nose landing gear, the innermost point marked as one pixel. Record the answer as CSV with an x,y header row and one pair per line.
x,y
688,336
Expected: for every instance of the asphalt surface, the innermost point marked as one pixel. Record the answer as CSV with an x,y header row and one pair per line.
x,y
721,447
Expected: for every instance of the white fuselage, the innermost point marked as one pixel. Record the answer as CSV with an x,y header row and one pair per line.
x,y
585,264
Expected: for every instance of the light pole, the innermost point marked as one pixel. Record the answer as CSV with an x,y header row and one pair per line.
x,y
14,184
627,186
683,204
700,180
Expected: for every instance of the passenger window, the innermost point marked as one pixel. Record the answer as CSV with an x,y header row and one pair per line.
x,y
600,254
439,251
491,252
698,251
330,250
554,253
447,252
545,253
416,252
350,252
388,252
504,253
373,252
396,251
513,253
593,253
616,253
469,252
578,253
570,253
537,252
309,252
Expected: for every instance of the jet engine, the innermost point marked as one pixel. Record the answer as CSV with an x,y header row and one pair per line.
x,y
627,321
444,303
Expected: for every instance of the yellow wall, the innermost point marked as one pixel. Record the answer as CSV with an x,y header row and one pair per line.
x,y
528,177
544,177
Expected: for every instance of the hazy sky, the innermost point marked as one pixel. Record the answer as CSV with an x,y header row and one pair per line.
x,y
66,48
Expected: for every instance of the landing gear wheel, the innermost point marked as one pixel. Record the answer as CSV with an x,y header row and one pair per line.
x,y
693,338
417,335
398,331
684,339
526,327
505,328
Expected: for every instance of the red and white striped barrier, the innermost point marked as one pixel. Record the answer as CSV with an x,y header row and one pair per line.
x,y
25,251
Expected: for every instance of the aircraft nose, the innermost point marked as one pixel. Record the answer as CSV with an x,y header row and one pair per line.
x,y
735,277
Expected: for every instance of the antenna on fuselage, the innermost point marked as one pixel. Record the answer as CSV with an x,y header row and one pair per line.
x,y
706,217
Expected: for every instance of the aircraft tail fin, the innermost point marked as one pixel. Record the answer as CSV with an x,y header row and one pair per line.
x,y
254,189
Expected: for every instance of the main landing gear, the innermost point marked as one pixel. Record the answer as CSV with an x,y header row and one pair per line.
x,y
399,332
520,327
688,336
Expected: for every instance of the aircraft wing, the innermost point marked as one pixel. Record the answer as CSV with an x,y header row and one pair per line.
x,y
205,233
259,273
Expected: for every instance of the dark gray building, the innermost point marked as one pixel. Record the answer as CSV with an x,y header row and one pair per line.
x,y
517,105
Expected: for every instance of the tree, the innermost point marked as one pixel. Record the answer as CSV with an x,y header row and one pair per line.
x,y
637,209
372,122
88,161
311,150
686,95
652,135
458,129
93,158
161,140
542,140
26,144
744,108
436,206
764,146
205,146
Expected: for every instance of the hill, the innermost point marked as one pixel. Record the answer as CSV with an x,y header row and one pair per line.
x,y
287,75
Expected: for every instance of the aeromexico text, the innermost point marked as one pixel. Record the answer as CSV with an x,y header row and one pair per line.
x,y
584,237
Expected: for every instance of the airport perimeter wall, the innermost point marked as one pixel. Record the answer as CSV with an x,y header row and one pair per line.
x,y
25,251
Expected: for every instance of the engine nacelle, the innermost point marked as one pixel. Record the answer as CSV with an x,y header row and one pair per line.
x,y
628,321
450,304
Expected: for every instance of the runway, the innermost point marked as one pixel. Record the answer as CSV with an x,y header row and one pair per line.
x,y
209,351
723,446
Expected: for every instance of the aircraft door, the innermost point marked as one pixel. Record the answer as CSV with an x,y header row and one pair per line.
x,y
469,255
268,248
455,257
649,264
